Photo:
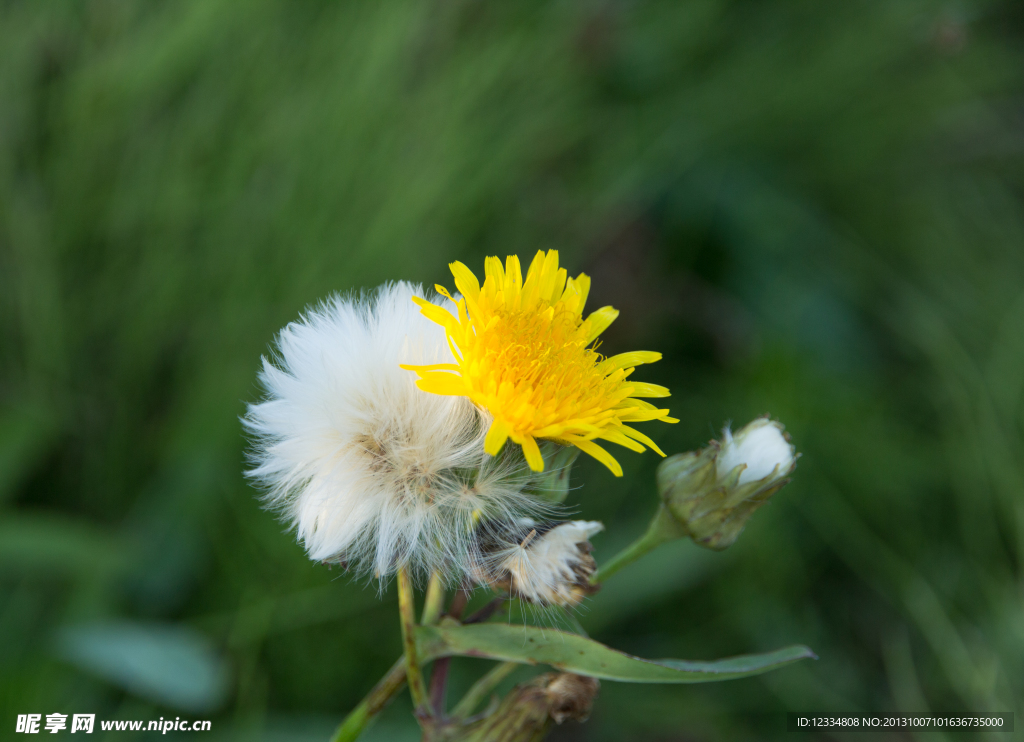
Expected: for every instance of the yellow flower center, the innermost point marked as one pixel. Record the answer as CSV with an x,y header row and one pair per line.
x,y
525,354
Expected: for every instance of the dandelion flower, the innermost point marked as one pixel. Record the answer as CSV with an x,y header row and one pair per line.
x,y
370,470
525,353
544,564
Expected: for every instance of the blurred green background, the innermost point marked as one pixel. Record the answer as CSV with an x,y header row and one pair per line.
x,y
813,209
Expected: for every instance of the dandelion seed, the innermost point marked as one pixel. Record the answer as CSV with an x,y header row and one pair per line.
x,y
370,470
544,564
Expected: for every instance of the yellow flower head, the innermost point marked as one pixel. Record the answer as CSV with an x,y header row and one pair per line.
x,y
525,353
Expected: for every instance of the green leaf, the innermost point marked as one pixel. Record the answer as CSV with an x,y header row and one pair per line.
x,y
573,653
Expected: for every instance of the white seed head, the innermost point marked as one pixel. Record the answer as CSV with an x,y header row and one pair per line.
x,y
544,567
762,446
368,469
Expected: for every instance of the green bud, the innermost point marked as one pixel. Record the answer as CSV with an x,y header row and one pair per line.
x,y
712,493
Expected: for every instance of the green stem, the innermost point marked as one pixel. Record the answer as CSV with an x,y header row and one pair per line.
x,y
361,716
481,688
663,528
433,604
407,613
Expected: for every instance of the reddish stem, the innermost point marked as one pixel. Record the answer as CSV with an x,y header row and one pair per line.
x,y
439,685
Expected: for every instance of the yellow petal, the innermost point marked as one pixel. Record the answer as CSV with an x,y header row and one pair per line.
x,y
437,314
589,447
598,322
466,281
570,298
642,416
638,403
549,276
625,360
494,272
496,437
536,265
513,274
638,436
443,383
582,282
531,286
443,292
431,367
454,348
558,287
573,297
552,431
643,389
532,452
614,436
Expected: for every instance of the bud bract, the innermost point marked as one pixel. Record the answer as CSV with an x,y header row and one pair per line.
x,y
713,492
527,712
552,485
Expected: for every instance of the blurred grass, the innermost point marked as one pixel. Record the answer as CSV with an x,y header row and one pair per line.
x,y
812,209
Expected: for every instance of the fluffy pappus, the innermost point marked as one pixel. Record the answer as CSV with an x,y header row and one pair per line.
x,y
544,564
368,469
762,446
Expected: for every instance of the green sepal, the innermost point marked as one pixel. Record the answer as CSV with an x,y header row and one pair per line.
x,y
713,512
552,484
